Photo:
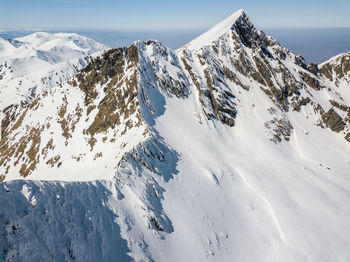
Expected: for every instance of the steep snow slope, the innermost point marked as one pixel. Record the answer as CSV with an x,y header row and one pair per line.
x,y
40,61
228,149
216,32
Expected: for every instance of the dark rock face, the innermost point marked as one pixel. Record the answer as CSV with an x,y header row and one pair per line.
x,y
117,102
311,81
216,98
246,31
300,61
333,121
347,137
313,68
337,69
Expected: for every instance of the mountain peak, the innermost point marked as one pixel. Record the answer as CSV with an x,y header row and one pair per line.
x,y
155,145
217,31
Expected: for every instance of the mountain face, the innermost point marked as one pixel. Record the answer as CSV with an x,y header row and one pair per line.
x,y
229,148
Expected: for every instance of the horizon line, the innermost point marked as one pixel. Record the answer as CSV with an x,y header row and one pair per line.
x,y
154,30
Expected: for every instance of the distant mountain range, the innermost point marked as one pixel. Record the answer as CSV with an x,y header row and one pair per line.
x,y
35,63
230,148
316,44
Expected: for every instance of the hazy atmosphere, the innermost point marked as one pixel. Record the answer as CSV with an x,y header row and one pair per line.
x,y
315,44
318,30
157,14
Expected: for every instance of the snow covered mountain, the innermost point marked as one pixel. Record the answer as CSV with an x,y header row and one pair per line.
x,y
39,61
231,148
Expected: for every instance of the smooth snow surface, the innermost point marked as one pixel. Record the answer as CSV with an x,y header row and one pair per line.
x,y
240,198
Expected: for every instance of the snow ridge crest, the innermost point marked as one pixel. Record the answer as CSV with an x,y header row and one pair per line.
x,y
218,30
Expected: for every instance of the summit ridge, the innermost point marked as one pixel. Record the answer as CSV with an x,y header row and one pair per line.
x,y
215,32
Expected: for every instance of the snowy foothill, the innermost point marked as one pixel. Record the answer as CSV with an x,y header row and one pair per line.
x,y
37,62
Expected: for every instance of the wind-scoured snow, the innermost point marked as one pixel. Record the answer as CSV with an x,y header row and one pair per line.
x,y
228,149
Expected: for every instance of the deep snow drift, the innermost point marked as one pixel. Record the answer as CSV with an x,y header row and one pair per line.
x,y
228,149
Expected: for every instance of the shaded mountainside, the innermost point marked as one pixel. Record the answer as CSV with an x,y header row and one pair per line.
x,y
78,225
198,153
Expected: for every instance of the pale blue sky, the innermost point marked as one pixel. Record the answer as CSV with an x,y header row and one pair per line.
x,y
157,14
